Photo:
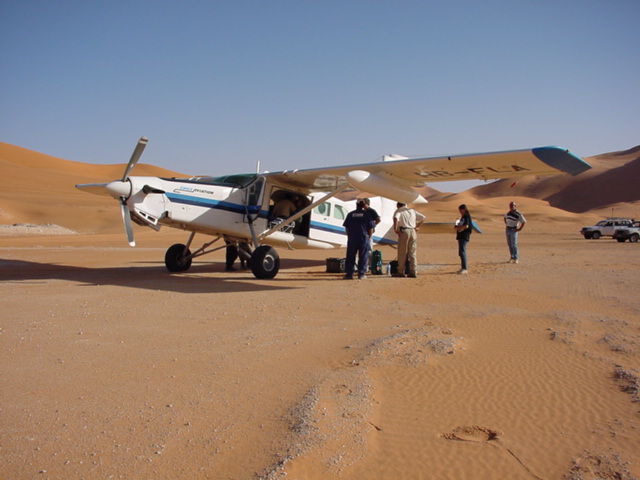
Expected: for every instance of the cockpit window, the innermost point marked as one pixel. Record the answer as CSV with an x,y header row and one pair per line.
x,y
235,181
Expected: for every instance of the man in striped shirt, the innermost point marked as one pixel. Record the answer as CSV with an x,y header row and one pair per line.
x,y
514,221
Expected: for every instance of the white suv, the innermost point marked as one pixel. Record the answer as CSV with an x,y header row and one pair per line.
x,y
605,227
631,233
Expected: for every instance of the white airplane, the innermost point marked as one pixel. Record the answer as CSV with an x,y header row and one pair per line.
x,y
243,208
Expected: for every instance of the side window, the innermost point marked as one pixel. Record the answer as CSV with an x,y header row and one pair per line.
x,y
323,209
339,212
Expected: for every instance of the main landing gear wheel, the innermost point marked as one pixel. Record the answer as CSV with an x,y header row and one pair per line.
x,y
265,262
178,258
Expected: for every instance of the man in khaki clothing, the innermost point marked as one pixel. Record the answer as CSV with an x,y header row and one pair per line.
x,y
406,222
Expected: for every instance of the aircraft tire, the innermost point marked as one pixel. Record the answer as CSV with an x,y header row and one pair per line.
x,y
175,260
265,262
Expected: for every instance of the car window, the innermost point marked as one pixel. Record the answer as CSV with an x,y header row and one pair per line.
x,y
601,223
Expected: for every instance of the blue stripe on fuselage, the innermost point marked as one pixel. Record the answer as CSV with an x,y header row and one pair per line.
x,y
253,209
208,203
339,230
326,227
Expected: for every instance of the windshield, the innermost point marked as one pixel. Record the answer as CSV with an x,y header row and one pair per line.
x,y
237,180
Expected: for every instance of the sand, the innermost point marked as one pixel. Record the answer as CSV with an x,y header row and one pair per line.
x,y
113,368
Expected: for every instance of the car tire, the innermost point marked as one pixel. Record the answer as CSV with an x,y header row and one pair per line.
x,y
634,238
595,235
620,240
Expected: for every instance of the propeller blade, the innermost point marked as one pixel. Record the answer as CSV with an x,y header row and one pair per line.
x,y
135,156
95,188
126,218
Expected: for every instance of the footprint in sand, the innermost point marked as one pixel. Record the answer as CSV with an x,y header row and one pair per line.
x,y
473,434
478,434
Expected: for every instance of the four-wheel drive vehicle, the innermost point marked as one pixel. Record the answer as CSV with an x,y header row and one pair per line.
x,y
631,233
605,227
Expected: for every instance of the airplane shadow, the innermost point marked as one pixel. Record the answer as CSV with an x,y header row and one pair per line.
x,y
198,279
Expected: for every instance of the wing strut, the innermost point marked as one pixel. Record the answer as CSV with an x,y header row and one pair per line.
x,y
302,212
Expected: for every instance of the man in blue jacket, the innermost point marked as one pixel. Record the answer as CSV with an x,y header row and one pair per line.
x,y
359,228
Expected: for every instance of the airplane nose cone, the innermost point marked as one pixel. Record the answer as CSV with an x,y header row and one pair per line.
x,y
119,189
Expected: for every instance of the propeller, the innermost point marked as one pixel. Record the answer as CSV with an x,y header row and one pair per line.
x,y
135,156
121,189
126,218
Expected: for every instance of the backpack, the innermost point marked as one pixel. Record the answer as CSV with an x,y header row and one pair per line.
x,y
376,262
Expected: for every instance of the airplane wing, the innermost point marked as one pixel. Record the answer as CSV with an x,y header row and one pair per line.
x,y
416,172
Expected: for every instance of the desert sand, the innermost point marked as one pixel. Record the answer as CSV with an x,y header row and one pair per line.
x,y
113,368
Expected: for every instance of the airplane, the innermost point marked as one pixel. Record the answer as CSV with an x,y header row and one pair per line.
x,y
244,209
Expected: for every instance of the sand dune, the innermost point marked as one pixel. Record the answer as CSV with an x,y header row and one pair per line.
x,y
612,182
113,368
37,188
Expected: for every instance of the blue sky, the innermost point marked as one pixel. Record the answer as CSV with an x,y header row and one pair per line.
x,y
219,85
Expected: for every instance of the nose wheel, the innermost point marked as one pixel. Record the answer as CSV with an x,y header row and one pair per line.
x,y
178,258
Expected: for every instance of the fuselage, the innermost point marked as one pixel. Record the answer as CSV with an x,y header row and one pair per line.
x,y
226,206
